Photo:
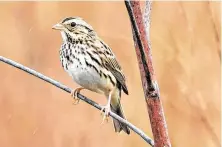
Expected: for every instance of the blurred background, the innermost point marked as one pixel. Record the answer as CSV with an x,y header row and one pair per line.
x,y
185,38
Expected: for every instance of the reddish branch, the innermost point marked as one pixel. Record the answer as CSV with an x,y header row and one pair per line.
x,y
150,86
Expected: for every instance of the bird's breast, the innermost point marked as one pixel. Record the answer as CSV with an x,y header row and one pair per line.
x,y
85,71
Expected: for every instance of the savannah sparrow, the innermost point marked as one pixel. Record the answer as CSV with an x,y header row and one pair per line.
x,y
92,64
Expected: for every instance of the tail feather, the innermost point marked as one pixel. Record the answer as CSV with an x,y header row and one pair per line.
x,y
118,125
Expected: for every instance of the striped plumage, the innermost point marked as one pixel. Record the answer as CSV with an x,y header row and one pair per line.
x,y
92,64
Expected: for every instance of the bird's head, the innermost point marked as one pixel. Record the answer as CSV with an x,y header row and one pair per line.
x,y
73,27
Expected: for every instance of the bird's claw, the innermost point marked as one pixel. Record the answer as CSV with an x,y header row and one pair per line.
x,y
74,95
106,113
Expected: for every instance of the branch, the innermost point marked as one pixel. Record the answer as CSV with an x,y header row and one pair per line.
x,y
150,86
67,89
146,18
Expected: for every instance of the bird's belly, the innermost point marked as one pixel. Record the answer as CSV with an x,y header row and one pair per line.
x,y
88,78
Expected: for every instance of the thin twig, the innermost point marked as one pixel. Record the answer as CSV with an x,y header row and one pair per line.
x,y
150,86
67,89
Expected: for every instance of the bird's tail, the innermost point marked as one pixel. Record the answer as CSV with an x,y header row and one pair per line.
x,y
118,125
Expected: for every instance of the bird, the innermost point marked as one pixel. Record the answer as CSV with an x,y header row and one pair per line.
x,y
92,65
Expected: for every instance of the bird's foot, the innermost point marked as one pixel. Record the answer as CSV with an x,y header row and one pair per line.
x,y
106,113
74,95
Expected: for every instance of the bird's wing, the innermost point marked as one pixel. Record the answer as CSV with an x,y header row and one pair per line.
x,y
113,66
115,69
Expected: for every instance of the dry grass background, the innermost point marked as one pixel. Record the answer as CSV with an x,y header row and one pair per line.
x,y
185,40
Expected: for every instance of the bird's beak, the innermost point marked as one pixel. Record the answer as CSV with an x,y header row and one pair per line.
x,y
58,26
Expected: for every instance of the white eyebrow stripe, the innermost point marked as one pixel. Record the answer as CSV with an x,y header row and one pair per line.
x,y
79,21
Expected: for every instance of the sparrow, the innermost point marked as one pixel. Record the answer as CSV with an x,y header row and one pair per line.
x,y
92,65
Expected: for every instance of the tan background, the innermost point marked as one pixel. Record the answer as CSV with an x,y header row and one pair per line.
x,y
185,39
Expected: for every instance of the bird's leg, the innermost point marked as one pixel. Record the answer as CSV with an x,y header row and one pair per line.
x,y
74,95
106,108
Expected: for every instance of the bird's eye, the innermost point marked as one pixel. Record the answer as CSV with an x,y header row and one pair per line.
x,y
73,24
